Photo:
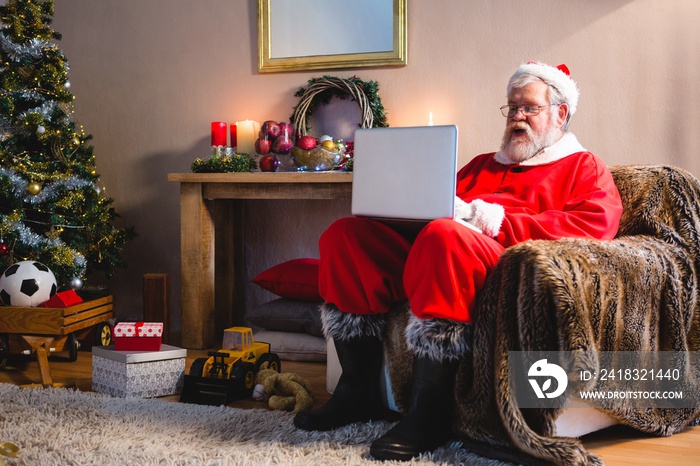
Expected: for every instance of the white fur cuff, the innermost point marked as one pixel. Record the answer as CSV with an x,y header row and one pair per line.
x,y
344,326
487,216
463,210
438,339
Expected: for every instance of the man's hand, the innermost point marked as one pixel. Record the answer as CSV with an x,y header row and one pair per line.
x,y
485,216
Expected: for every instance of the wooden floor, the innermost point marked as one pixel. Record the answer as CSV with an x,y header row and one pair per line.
x,y
616,445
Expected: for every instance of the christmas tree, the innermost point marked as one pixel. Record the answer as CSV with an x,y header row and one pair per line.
x,y
51,207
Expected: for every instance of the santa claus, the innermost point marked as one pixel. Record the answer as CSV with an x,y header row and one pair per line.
x,y
541,184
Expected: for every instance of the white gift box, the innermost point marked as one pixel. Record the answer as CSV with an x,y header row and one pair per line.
x,y
138,374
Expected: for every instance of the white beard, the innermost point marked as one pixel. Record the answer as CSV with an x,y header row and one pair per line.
x,y
522,149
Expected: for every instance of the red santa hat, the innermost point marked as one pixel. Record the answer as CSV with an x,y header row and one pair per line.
x,y
558,77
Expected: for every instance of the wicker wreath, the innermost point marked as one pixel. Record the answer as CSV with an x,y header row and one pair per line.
x,y
321,90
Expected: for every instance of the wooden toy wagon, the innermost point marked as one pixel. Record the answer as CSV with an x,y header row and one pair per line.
x,y
44,330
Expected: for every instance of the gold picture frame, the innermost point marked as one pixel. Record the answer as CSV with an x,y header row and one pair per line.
x,y
286,29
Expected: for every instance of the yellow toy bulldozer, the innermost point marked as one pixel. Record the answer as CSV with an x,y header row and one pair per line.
x,y
229,373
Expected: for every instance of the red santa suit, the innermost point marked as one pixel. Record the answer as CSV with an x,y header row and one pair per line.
x,y
564,191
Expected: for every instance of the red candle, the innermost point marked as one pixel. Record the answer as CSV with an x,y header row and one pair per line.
x,y
218,133
234,135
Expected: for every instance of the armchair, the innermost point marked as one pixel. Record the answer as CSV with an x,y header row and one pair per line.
x,y
637,292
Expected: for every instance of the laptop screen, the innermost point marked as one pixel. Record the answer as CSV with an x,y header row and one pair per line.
x,y
406,173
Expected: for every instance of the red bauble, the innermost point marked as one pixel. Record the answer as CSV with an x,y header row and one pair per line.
x,y
4,250
307,142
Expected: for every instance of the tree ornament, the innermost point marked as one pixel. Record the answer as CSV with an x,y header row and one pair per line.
x,y
67,85
54,232
4,248
76,283
73,145
33,188
40,129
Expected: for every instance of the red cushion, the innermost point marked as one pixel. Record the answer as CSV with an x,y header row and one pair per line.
x,y
294,279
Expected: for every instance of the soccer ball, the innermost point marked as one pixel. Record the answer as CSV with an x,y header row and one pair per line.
x,y
27,284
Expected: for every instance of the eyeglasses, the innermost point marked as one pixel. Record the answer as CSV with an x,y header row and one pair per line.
x,y
509,111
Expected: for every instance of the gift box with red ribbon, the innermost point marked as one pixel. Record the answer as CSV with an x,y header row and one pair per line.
x,y
138,336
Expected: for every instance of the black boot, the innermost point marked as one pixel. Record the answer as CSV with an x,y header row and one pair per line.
x,y
357,396
427,425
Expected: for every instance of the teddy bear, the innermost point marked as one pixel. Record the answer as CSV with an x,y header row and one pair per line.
x,y
286,392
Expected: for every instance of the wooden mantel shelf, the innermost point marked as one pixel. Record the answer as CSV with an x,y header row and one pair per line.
x,y
259,185
211,239
262,177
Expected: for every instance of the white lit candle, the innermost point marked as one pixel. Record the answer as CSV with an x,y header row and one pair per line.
x,y
247,132
430,119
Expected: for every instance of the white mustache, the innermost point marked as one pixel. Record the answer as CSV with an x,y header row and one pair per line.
x,y
519,125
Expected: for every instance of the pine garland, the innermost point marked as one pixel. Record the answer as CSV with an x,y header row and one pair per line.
x,y
225,164
321,90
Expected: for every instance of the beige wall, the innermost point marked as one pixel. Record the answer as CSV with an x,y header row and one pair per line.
x,y
150,75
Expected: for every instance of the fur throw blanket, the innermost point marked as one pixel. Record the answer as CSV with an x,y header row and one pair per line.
x,y
637,292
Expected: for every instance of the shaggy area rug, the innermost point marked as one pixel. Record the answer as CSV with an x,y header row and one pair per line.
x,y
66,427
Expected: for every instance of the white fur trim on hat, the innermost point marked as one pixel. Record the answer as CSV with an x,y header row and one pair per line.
x,y
557,77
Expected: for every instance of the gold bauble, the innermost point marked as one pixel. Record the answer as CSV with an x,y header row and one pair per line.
x,y
33,188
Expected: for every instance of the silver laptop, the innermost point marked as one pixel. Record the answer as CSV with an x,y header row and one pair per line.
x,y
405,174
